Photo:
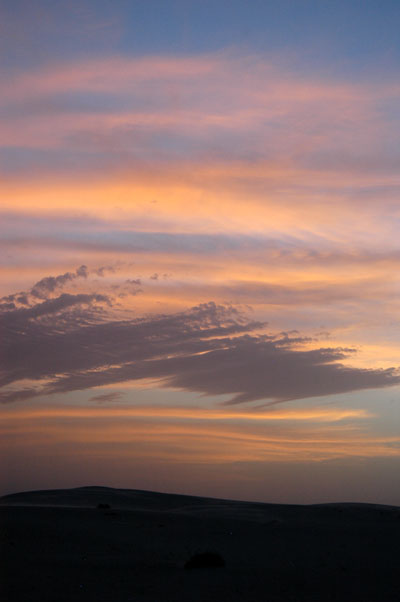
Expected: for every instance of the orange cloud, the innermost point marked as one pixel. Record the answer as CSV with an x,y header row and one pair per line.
x,y
158,412
187,435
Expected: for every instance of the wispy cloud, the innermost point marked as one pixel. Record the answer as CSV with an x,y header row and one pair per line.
x,y
198,436
106,397
260,415
223,105
210,349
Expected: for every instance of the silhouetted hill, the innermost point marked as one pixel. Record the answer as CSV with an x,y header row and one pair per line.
x,y
120,545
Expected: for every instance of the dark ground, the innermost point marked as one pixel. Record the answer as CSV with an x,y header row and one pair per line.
x,y
58,547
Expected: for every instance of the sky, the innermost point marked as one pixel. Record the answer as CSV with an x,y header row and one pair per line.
x,y
200,250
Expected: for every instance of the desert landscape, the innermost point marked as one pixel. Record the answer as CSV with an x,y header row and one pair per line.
x,y
199,296
122,545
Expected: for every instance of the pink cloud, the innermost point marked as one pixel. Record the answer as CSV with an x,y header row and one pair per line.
x,y
107,75
221,106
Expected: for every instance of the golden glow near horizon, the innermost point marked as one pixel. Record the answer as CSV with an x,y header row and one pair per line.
x,y
190,433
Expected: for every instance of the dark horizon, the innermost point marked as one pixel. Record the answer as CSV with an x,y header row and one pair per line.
x,y
39,496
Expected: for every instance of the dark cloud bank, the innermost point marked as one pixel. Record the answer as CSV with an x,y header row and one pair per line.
x,y
72,341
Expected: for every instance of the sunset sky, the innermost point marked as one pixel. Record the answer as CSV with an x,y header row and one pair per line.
x,y
200,249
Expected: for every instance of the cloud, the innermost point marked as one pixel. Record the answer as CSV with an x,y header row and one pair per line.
x,y
74,342
48,285
81,342
106,397
103,270
26,304
195,435
324,414
42,290
168,231
220,105
51,306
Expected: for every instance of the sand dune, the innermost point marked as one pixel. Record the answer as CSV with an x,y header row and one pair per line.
x,y
120,545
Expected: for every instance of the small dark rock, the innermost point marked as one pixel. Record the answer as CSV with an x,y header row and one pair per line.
x,y
205,560
103,506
